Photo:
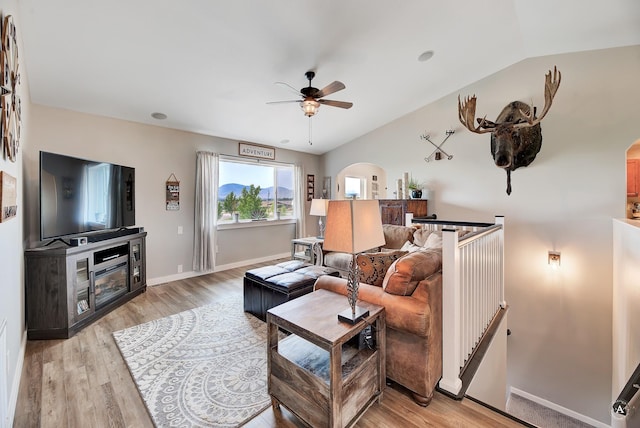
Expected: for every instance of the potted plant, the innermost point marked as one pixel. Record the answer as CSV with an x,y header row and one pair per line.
x,y
415,187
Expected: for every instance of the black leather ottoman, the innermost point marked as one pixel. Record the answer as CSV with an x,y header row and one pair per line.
x,y
269,286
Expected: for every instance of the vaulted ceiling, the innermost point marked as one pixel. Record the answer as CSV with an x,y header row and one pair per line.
x,y
211,65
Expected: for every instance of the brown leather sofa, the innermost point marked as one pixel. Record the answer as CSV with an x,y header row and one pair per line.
x,y
411,293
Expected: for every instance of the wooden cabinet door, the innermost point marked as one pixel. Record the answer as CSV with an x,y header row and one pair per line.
x,y
80,288
632,177
392,211
137,272
417,206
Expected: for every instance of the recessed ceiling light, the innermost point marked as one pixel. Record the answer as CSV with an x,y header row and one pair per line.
x,y
159,116
425,56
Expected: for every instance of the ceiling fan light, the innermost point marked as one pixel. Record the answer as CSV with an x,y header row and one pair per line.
x,y
309,107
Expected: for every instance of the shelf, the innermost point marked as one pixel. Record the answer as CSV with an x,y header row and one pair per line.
x,y
315,360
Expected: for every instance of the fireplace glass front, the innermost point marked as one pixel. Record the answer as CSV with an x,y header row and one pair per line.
x,y
110,283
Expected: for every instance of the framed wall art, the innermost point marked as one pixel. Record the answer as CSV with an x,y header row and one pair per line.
x,y
311,186
8,194
172,186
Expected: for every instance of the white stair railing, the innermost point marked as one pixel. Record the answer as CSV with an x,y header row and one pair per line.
x,y
472,294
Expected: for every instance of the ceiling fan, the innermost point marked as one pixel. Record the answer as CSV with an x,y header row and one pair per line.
x,y
312,97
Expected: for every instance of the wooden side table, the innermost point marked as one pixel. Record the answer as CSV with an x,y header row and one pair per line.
x,y
322,372
311,250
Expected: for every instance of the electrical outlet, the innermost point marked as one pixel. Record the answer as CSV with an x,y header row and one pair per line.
x,y
179,268
179,230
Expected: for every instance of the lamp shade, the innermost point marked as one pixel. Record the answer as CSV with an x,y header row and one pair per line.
x,y
309,106
353,226
319,207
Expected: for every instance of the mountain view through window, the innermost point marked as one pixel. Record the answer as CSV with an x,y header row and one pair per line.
x,y
254,191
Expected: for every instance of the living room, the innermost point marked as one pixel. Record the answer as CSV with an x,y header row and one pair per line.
x,y
560,350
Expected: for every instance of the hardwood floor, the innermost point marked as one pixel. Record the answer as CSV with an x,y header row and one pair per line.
x,y
84,382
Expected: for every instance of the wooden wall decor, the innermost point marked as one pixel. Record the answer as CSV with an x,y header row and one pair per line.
x,y
311,186
10,102
8,195
173,193
256,151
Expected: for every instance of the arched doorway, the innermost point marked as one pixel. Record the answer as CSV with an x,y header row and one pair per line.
x,y
361,181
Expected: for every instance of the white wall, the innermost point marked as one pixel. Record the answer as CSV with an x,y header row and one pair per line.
x,y
560,349
626,302
12,238
156,153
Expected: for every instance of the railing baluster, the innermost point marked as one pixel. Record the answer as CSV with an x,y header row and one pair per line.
x,y
473,292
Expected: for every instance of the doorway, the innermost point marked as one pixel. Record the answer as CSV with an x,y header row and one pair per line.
x,y
361,181
633,182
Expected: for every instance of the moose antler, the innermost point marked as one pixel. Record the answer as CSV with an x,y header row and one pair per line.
x,y
467,108
550,89
467,113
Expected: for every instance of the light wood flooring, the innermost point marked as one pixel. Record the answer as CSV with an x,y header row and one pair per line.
x,y
84,382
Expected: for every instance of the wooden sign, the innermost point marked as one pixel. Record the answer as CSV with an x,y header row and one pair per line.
x,y
256,151
8,192
173,193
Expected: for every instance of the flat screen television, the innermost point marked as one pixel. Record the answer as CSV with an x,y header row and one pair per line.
x,y
79,196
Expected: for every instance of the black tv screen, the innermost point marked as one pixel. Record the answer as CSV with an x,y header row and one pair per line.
x,y
79,195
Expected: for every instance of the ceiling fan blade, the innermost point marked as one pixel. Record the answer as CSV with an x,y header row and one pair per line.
x,y
332,87
288,86
332,103
283,102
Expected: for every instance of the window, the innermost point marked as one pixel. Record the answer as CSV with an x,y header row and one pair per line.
x,y
353,187
255,191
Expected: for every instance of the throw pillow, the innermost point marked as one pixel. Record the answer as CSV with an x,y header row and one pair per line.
x,y
433,241
404,274
372,267
420,236
410,247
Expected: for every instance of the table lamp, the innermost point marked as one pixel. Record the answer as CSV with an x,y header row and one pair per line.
x,y
353,226
319,208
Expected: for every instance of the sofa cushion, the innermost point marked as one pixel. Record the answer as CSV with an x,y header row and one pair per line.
x,y
404,274
395,235
373,266
338,260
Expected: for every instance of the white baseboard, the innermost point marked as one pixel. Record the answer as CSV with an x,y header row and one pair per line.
x,y
220,268
558,408
17,375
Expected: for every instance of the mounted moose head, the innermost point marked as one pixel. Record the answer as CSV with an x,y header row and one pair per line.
x,y
516,137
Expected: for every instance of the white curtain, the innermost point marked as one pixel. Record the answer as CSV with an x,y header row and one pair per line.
x,y
301,191
206,211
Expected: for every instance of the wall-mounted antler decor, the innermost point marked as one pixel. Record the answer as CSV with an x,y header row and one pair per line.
x,y
516,137
438,152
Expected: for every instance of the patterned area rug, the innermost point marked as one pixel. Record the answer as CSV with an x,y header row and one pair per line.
x,y
206,367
